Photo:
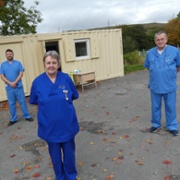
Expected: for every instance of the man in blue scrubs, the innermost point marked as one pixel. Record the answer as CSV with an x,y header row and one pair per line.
x,y
163,63
11,72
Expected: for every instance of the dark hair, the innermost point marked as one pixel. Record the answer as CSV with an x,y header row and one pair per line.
x,y
53,54
9,50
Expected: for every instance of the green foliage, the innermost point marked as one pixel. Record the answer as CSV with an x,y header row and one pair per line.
x,y
178,16
129,44
15,19
153,28
133,68
132,58
136,36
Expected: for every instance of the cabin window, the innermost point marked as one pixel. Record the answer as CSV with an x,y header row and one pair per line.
x,y
82,50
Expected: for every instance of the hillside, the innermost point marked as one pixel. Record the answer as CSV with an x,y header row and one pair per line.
x,y
153,27
150,27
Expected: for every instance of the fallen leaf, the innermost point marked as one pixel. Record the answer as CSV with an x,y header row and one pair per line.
x,y
15,171
105,139
26,162
139,162
149,141
115,158
108,177
80,163
167,178
12,155
167,162
81,129
48,178
121,157
28,168
126,136
93,165
37,166
134,119
36,175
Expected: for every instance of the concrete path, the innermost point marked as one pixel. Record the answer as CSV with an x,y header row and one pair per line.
x,y
114,142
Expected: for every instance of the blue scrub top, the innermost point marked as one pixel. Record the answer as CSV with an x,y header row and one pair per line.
x,y
162,69
11,71
57,120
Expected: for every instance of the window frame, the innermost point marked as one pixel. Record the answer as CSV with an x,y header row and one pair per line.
x,y
87,41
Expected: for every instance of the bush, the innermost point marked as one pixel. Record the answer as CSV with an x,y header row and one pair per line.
x,y
132,58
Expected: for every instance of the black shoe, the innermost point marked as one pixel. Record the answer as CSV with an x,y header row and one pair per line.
x,y
174,132
154,129
11,123
29,119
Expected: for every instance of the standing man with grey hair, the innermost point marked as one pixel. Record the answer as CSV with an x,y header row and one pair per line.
x,y
163,63
11,73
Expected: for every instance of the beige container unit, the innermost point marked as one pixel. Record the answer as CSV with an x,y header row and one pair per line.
x,y
101,50
15,43
27,51
105,56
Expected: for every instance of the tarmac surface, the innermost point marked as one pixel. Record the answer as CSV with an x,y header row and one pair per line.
x,y
114,142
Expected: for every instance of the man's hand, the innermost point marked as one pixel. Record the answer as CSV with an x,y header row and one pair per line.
x,y
13,84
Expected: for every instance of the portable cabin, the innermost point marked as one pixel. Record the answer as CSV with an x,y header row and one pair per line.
x,y
100,51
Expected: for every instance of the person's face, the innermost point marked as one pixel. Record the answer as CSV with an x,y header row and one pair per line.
x,y
160,41
51,65
9,56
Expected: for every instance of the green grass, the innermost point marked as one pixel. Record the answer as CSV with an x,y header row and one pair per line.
x,y
133,68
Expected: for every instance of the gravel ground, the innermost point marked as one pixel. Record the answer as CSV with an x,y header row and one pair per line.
x,y
114,142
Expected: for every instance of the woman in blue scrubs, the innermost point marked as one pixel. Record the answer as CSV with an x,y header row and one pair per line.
x,y
54,91
163,62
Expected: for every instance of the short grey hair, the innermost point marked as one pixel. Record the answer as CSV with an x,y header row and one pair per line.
x,y
53,54
159,33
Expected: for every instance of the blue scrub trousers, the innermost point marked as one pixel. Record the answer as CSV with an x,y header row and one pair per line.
x,y
14,94
63,159
170,110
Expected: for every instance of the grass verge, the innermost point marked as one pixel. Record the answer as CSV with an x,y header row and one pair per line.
x,y
133,68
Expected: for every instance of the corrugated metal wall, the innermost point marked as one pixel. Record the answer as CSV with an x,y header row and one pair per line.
x,y
106,54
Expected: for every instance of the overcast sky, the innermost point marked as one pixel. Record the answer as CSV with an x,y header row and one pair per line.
x,y
62,15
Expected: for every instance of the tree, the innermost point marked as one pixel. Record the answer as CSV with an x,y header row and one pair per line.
x,y
134,38
178,16
15,19
129,44
173,31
